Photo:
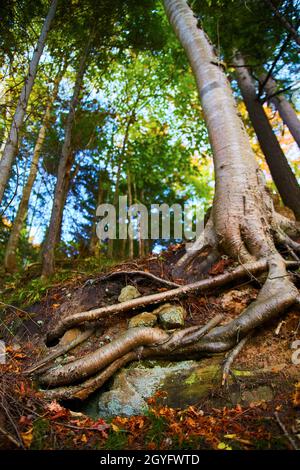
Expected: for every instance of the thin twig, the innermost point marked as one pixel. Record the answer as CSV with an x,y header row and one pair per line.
x,y
10,437
87,428
138,273
270,71
285,432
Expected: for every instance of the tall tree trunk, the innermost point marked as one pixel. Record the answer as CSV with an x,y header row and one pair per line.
x,y
10,258
129,191
48,258
69,176
94,241
141,240
242,223
281,172
110,250
12,143
7,103
284,108
111,242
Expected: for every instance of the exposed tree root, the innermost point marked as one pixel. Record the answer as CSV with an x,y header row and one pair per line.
x,y
277,294
231,357
79,378
200,255
138,273
210,284
288,226
158,341
59,351
83,390
167,345
102,357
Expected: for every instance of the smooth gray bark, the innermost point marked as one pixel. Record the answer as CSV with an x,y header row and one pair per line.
x,y
11,146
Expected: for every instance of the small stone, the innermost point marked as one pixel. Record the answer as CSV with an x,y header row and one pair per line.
x,y
262,393
143,319
170,316
107,339
121,402
101,343
128,293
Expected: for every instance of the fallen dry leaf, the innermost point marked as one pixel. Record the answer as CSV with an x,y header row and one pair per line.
x,y
27,437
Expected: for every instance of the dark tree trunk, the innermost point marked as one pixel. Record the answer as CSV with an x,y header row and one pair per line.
x,y
280,169
48,257
284,108
94,241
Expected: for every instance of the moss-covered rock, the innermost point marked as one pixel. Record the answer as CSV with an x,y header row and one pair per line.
x,y
143,319
170,316
128,293
185,383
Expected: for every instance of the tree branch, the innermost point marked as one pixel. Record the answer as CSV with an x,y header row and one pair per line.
x,y
286,23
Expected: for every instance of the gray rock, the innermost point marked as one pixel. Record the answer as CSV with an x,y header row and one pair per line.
x,y
170,316
123,401
143,319
262,393
128,293
254,394
185,382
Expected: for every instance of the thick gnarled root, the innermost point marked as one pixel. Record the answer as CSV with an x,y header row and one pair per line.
x,y
205,285
90,372
200,255
102,357
134,339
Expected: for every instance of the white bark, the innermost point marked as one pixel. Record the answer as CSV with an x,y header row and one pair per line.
x,y
10,258
11,146
237,210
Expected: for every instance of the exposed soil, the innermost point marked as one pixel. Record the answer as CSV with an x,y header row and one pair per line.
x,y
268,353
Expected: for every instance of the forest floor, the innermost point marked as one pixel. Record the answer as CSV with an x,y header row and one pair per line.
x,y
269,420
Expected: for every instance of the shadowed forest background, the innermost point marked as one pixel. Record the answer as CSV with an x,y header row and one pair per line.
x,y
165,102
